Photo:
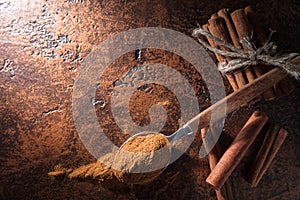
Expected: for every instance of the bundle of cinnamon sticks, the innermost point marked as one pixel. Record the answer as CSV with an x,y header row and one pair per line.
x,y
232,28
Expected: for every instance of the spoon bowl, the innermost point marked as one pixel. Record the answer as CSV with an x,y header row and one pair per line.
x,y
145,155
142,158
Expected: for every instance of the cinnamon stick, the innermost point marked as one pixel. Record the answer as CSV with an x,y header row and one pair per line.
x,y
230,77
282,87
217,28
263,153
259,34
224,14
243,30
242,27
215,153
219,57
237,150
285,86
282,134
213,158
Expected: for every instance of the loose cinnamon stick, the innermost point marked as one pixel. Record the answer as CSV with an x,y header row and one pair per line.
x,y
282,134
215,153
237,150
213,158
263,153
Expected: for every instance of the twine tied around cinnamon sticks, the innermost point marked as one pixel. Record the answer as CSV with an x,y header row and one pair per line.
x,y
242,59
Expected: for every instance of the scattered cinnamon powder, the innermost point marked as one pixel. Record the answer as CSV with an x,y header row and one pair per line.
x,y
59,172
97,173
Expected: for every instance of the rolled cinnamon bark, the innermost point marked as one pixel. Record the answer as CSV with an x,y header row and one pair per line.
x,y
284,86
217,28
259,33
215,153
224,13
242,28
230,77
225,193
263,153
219,57
280,137
237,150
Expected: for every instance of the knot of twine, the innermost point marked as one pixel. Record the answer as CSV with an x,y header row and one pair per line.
x,y
266,55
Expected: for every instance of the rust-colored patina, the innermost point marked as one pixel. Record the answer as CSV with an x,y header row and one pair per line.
x,y
42,46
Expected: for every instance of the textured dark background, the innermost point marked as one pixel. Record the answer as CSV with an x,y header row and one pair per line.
x,y
42,45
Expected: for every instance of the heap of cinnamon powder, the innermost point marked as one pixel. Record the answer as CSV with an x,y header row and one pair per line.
x,y
142,158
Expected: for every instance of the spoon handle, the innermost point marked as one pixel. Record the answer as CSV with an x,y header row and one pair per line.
x,y
180,133
234,100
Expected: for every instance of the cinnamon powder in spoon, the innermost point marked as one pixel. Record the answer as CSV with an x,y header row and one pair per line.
x,y
142,158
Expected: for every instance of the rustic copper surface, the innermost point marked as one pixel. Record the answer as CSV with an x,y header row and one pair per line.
x,y
42,44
